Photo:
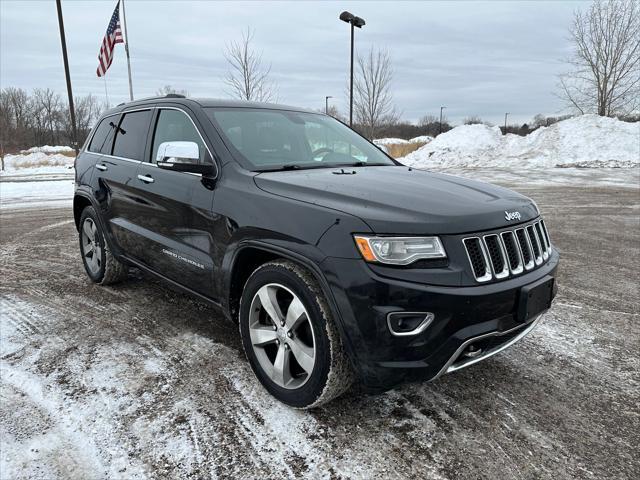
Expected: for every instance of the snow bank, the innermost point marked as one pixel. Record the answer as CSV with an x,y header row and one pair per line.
x,y
389,141
37,163
585,141
48,149
421,139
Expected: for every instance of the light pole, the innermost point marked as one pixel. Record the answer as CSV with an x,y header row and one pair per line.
x,y
326,104
505,122
355,22
441,108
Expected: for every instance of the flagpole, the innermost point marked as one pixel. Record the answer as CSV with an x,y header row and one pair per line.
x,y
72,110
106,94
126,49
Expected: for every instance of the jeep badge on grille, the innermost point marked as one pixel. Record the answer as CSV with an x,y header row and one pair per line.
x,y
512,215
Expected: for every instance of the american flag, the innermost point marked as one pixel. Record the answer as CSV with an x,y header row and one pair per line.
x,y
111,38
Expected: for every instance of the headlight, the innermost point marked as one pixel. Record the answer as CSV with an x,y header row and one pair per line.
x,y
399,250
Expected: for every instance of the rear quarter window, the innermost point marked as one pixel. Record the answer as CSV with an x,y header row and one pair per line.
x,y
102,139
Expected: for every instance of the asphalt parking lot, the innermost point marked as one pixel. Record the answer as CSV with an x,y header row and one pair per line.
x,y
139,381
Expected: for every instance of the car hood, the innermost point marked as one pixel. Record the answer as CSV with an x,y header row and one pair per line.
x,y
399,200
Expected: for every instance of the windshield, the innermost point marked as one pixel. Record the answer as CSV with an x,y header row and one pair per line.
x,y
279,139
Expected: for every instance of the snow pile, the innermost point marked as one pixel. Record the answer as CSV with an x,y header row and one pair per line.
x,y
48,149
421,139
37,163
584,142
389,141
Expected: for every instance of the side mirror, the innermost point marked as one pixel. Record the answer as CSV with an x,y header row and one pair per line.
x,y
182,157
178,152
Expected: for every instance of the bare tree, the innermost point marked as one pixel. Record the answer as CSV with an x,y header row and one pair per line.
x,y
334,112
474,120
46,113
427,120
88,111
605,64
247,78
168,89
372,98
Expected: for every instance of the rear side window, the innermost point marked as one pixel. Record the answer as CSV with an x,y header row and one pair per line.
x,y
103,138
174,125
132,135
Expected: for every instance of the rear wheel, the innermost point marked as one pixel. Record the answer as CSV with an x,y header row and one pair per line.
x,y
99,263
290,338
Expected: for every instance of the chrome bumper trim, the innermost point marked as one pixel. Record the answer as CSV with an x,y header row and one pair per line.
x,y
450,367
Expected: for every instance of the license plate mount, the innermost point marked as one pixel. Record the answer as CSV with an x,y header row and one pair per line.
x,y
535,298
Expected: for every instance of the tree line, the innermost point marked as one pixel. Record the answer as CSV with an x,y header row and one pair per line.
x,y
41,117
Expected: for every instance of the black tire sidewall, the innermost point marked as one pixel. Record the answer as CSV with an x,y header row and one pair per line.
x,y
89,212
312,389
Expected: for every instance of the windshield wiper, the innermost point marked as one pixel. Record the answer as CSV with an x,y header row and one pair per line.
x,y
361,163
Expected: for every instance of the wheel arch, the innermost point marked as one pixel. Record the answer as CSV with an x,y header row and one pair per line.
x,y
250,255
80,202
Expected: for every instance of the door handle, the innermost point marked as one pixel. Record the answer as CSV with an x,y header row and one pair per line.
x,y
145,178
101,166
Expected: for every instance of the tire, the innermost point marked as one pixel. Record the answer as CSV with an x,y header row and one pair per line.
x,y
291,293
99,263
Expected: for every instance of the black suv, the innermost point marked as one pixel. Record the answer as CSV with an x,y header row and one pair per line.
x,y
338,263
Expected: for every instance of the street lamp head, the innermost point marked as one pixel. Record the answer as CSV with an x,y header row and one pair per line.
x,y
347,17
352,19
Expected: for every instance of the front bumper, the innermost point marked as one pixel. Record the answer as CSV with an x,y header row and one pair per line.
x,y
481,314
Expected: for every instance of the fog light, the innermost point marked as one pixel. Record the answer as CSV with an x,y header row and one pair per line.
x,y
409,323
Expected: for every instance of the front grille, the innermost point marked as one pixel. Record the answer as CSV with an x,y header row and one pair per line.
x,y
508,253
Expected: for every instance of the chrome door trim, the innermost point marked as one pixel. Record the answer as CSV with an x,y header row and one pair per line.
x,y
158,107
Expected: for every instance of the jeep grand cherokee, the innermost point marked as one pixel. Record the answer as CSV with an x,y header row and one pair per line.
x,y
338,263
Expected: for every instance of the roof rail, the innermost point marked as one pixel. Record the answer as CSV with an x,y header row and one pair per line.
x,y
168,95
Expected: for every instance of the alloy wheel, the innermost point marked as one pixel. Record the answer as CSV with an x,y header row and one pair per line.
x,y
282,336
91,249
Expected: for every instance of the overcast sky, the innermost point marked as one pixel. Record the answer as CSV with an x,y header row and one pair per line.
x,y
476,58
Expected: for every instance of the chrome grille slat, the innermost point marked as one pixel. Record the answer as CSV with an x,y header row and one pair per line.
x,y
543,241
477,258
496,256
525,248
535,244
546,235
514,256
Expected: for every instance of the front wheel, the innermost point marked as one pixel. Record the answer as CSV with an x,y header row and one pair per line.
x,y
289,336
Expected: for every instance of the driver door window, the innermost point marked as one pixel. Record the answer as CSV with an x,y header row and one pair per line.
x,y
176,126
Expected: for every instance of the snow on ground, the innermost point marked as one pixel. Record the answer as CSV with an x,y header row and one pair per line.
x,y
421,139
33,164
581,142
41,194
37,163
140,381
49,149
389,141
